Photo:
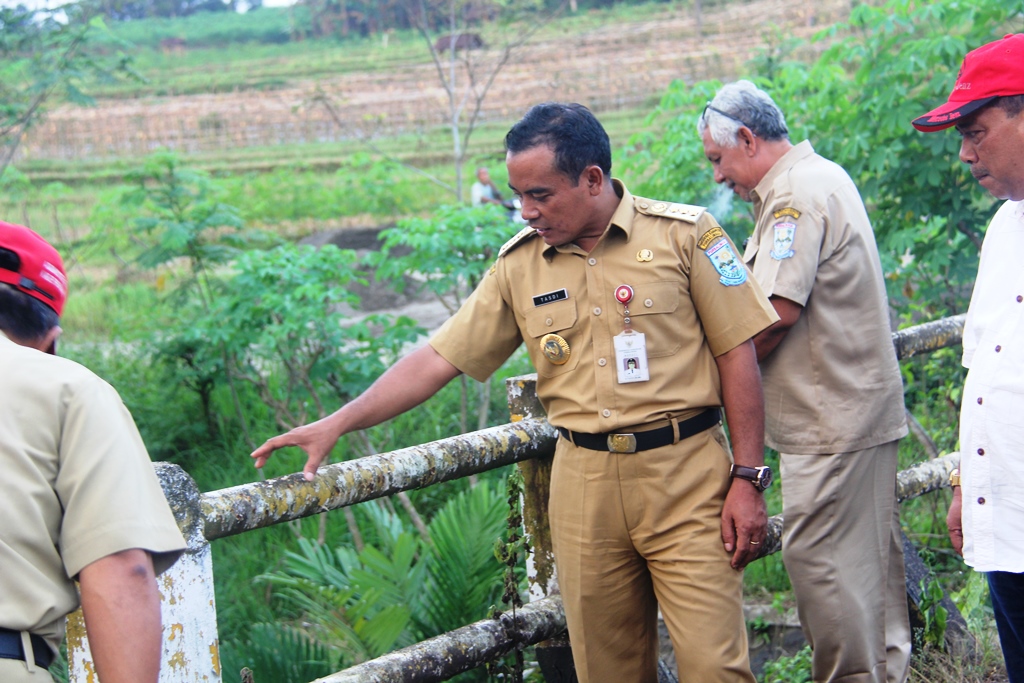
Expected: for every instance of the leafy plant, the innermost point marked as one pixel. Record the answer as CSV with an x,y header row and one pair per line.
x,y
794,669
178,208
446,254
935,615
279,653
43,55
402,589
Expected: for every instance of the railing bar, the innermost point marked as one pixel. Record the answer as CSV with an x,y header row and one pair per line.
x,y
928,337
252,506
467,648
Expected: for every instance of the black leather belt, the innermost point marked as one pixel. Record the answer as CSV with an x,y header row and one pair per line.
x,y
644,441
10,648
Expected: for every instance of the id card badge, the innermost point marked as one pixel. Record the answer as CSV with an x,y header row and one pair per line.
x,y
631,357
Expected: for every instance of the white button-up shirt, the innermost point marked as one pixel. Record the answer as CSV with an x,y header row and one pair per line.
x,y
992,413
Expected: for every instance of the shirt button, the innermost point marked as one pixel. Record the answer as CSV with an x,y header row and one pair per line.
x,y
998,348
979,400
548,322
981,451
602,362
606,412
648,303
1020,298
981,501
592,261
597,310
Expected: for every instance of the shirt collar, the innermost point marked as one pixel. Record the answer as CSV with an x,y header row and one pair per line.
x,y
796,153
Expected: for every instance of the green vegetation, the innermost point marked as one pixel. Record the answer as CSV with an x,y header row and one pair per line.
x,y
189,296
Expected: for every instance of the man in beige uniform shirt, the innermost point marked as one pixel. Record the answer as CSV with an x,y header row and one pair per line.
x,y
638,317
79,498
833,392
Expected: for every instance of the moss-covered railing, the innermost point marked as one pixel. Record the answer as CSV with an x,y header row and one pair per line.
x,y
189,614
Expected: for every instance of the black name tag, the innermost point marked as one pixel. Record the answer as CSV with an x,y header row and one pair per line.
x,y
550,297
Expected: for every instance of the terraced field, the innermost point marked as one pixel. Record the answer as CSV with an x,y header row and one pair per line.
x,y
615,67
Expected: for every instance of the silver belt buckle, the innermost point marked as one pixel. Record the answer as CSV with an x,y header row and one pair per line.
x,y
622,443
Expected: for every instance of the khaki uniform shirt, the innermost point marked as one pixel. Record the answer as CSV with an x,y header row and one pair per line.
x,y
689,308
77,486
833,384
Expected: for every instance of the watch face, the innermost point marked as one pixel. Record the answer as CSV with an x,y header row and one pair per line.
x,y
764,477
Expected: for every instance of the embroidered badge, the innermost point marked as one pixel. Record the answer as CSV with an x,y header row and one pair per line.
x,y
709,237
788,211
725,262
782,246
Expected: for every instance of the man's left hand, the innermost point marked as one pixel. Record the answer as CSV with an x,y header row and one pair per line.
x,y
744,522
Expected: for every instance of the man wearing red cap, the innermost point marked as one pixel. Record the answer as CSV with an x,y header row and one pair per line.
x,y
986,518
79,498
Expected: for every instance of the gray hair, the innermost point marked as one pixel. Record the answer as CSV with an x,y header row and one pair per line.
x,y
742,104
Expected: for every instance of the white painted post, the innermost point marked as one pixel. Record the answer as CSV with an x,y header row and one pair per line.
x,y
188,611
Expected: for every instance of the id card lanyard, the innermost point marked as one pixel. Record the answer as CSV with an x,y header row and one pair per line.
x,y
630,345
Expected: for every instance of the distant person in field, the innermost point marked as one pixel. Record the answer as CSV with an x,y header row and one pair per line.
x,y
832,385
986,517
647,509
79,498
484,190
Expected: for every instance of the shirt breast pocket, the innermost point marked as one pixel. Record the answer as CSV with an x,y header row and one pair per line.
x,y
653,310
553,356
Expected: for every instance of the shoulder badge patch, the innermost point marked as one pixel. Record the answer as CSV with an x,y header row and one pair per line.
x,y
782,245
723,258
520,237
710,236
682,212
788,211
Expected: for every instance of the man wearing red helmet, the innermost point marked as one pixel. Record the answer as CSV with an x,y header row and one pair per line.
x,y
79,498
986,518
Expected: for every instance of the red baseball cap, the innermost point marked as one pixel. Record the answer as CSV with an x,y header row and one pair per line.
x,y
31,265
991,71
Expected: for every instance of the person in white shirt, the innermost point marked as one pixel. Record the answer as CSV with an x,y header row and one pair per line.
x,y
484,191
986,517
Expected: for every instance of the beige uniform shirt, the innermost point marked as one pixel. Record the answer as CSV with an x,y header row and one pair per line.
x,y
833,384
692,299
77,486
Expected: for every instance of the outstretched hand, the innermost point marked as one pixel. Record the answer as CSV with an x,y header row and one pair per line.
x,y
316,439
744,523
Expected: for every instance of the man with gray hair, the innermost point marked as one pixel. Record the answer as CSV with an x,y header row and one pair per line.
x,y
833,392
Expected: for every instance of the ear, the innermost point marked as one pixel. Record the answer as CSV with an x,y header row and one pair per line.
x,y
48,343
747,141
593,176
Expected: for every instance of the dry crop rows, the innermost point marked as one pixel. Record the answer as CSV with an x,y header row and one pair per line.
x,y
609,68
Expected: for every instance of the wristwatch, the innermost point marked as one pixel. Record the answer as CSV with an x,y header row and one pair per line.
x,y
954,477
760,477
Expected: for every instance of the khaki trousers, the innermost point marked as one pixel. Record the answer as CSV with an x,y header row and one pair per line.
x,y
843,550
635,531
14,671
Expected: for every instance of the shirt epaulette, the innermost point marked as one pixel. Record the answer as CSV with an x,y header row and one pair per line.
x,y
683,212
523,235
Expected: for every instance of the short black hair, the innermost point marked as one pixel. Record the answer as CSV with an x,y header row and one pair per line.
x,y
1013,105
23,317
571,131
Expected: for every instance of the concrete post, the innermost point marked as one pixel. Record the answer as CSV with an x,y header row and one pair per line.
x,y
555,655
188,611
